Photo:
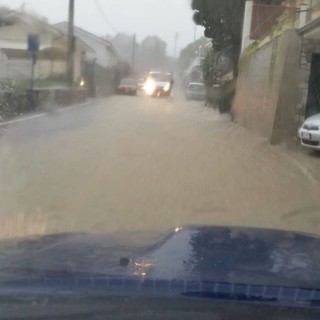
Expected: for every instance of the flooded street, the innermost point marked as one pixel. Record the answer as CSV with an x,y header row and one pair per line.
x,y
134,163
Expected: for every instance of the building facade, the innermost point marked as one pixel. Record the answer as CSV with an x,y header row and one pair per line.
x,y
279,80
16,60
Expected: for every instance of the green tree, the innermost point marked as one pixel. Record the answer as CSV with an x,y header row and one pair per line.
x,y
223,21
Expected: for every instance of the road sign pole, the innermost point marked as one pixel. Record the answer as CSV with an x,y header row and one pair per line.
x,y
34,59
33,47
70,58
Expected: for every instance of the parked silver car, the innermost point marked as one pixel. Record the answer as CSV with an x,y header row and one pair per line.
x,y
195,91
309,133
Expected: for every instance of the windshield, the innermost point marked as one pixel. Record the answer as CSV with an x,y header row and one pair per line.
x,y
128,127
159,76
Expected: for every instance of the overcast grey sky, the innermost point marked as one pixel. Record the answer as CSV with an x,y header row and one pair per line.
x,y
143,17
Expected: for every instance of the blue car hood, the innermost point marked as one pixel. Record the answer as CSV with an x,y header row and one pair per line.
x,y
212,254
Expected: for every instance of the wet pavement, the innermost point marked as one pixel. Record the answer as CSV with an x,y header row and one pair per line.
x,y
134,163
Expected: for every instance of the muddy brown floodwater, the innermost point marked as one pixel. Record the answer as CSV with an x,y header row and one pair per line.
x,y
134,163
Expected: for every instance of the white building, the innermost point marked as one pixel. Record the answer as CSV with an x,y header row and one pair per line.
x,y
16,60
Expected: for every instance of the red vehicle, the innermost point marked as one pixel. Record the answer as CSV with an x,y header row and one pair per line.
x,y
128,86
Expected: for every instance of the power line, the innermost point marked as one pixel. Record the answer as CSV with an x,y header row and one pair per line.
x,y
103,14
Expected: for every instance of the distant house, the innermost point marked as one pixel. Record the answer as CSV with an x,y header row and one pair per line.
x,y
98,62
194,71
16,60
103,52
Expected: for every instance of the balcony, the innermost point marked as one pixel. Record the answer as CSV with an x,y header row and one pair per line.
x,y
310,20
314,11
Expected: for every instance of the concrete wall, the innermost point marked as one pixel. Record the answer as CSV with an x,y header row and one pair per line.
x,y
266,94
285,127
19,69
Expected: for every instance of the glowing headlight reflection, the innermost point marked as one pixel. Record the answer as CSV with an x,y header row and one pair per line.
x,y
149,87
142,267
166,88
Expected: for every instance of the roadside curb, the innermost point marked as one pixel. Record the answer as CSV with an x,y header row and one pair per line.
x,y
42,114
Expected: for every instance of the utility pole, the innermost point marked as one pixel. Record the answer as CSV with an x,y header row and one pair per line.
x,y
134,52
176,37
70,58
33,48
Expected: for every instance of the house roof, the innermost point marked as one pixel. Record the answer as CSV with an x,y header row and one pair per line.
x,y
33,24
10,17
97,44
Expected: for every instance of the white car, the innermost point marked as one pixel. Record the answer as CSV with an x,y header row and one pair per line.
x,y
309,133
158,84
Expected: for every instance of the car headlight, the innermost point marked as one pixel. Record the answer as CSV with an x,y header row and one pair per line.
x,y
149,87
166,88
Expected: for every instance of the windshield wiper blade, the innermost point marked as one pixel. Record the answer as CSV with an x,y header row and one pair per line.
x,y
257,293
229,296
31,281
79,283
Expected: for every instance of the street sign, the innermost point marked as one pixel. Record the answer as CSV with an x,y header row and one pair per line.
x,y
33,43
